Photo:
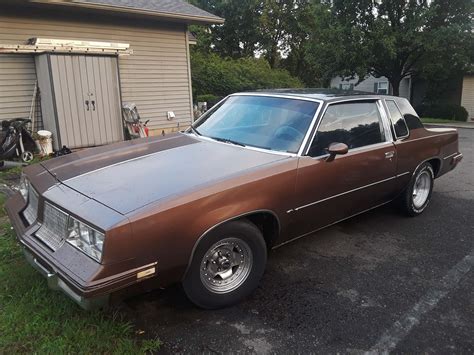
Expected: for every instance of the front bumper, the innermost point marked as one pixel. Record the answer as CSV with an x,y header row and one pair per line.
x,y
90,284
57,284
37,256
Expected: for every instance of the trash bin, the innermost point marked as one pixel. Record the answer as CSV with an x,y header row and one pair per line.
x,y
45,142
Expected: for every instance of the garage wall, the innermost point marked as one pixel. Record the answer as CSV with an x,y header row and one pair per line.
x,y
467,98
17,82
155,77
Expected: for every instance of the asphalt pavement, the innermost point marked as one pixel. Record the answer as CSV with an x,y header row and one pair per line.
x,y
377,282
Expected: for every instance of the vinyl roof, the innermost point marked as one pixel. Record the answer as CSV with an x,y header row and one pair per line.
x,y
322,94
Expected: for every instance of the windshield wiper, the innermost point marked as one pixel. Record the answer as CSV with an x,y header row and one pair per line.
x,y
225,140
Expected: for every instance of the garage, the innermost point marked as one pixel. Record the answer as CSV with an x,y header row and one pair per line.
x,y
72,64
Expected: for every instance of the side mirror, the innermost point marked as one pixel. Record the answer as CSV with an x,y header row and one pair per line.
x,y
336,149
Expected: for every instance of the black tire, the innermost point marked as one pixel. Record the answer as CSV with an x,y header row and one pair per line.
x,y
407,198
250,236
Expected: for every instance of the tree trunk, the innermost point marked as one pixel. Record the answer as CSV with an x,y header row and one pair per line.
x,y
272,58
395,82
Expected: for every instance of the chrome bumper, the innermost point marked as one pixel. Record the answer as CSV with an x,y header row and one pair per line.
x,y
457,158
55,283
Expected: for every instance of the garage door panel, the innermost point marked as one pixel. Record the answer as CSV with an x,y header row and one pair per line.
x,y
87,99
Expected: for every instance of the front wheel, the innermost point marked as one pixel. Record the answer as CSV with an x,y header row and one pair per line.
x,y
417,195
227,265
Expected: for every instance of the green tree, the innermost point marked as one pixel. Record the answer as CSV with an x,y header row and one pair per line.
x,y
239,36
450,47
212,74
274,22
284,27
223,61
391,38
299,24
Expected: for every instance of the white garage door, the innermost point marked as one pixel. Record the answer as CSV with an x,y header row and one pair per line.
x,y
467,99
17,82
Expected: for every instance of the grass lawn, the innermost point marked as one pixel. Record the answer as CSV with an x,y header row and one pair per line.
x,y
34,319
437,120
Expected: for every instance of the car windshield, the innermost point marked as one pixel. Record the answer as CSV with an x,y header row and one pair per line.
x,y
274,123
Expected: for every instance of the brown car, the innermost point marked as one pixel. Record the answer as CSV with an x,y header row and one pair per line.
x,y
203,207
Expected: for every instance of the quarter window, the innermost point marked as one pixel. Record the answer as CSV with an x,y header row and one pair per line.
x,y
355,124
399,124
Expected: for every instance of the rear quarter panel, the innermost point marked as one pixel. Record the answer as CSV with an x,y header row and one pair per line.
x,y
423,145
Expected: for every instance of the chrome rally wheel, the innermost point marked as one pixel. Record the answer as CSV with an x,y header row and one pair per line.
x,y
421,189
417,194
226,265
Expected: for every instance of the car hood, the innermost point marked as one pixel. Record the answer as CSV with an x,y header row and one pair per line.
x,y
130,175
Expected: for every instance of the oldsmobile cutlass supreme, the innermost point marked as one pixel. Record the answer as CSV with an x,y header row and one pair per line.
x,y
203,207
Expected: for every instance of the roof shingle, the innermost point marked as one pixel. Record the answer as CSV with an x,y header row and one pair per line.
x,y
170,7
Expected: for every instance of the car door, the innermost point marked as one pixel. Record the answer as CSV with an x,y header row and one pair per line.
x,y
328,191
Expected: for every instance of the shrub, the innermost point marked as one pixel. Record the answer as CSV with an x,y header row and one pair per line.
x,y
209,98
446,111
223,76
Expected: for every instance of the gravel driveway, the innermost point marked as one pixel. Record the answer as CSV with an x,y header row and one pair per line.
x,y
379,281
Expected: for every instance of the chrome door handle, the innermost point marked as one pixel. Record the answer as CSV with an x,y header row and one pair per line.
x,y
389,155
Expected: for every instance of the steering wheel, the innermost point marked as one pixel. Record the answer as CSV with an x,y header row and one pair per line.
x,y
288,131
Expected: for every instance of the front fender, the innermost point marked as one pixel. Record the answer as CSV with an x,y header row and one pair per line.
x,y
169,231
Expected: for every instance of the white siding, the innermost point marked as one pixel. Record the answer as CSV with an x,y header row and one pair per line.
x,y
155,77
467,98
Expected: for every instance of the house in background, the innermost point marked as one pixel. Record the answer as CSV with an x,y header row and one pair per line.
x,y
115,51
461,90
372,84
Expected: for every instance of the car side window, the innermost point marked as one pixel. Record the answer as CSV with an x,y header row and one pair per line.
x,y
399,124
357,124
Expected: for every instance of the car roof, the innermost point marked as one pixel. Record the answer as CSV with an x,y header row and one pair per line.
x,y
320,94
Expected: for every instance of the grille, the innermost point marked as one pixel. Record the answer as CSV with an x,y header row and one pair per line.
x,y
54,227
31,211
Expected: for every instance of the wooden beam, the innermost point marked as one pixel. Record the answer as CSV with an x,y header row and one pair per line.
x,y
31,49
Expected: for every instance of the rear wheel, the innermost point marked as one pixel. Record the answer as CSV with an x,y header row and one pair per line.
x,y
417,195
227,265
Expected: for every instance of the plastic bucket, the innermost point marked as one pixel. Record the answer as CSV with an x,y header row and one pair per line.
x,y
45,142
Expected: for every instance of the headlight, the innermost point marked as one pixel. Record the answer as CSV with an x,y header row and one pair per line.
x,y
23,187
85,238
